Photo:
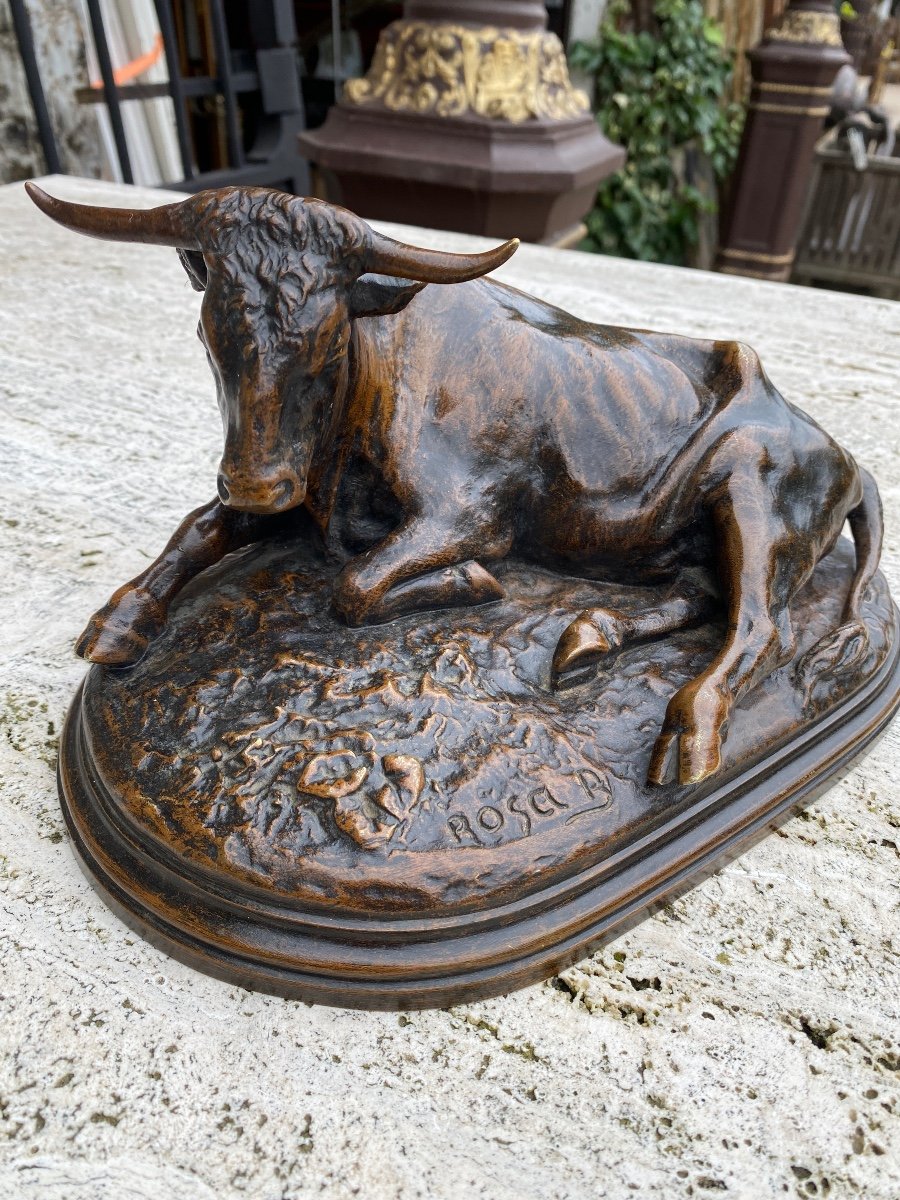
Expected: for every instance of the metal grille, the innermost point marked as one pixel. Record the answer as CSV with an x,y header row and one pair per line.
x,y
273,159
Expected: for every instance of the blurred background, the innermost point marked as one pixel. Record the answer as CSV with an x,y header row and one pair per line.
x,y
756,137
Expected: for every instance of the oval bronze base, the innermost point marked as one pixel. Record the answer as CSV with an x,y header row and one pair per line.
x,y
406,924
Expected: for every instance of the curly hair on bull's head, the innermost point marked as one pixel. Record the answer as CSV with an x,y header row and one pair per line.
x,y
270,233
269,251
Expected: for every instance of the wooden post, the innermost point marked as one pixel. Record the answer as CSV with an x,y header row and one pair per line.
x,y
793,70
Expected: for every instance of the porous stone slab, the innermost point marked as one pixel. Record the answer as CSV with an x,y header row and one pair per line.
x,y
743,1042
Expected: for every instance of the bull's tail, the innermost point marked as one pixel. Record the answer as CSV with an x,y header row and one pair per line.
x,y
842,650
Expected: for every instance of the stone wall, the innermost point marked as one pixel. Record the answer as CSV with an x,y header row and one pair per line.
x,y
59,45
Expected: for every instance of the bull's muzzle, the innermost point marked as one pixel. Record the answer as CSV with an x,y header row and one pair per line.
x,y
275,494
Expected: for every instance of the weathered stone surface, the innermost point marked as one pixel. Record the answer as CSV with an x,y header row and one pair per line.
x,y
744,1042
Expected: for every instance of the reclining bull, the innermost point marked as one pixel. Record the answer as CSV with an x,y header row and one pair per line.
x,y
439,428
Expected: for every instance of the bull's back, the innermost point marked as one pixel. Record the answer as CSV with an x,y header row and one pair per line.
x,y
603,409
595,436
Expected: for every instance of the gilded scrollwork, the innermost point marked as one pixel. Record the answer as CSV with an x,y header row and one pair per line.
x,y
451,71
819,28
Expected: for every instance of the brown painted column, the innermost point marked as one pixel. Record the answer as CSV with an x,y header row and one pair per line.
x,y
467,120
793,70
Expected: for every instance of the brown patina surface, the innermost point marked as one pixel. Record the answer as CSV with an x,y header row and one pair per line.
x,y
423,765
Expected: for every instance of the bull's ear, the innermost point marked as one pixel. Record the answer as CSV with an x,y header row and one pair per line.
x,y
195,266
381,295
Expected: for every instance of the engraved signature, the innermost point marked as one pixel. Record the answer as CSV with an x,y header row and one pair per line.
x,y
540,803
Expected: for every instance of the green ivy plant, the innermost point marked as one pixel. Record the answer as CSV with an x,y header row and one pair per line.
x,y
660,90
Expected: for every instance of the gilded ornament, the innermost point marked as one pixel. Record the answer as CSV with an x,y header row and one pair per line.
x,y
819,27
450,70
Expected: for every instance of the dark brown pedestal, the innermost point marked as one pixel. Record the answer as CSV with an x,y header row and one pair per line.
x,y
469,127
793,72
500,180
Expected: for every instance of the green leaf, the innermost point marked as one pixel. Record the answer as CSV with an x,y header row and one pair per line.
x,y
654,95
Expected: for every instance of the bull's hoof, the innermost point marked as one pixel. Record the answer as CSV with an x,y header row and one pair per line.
x,y
663,767
685,755
682,758
593,634
840,653
483,587
689,747
119,633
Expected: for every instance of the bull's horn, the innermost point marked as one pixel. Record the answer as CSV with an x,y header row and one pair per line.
x,y
167,225
384,256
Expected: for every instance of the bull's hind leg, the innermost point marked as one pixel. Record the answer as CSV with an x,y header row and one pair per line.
x,y
762,563
841,651
461,586
598,632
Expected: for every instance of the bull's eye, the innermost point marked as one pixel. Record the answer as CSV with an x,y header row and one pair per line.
x,y
338,348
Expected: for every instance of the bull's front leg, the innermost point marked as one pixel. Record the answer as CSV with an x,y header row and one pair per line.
x,y
119,633
421,565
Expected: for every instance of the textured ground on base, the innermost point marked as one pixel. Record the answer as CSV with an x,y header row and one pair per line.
x,y
424,763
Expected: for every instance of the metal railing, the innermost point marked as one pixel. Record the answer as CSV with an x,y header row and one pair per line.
x,y
851,229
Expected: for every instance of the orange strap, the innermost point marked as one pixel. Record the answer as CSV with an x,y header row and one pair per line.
x,y
137,66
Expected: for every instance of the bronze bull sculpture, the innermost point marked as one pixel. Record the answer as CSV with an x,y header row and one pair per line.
x,y
432,430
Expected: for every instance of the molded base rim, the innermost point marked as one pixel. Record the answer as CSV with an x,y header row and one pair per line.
x,y
433,963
